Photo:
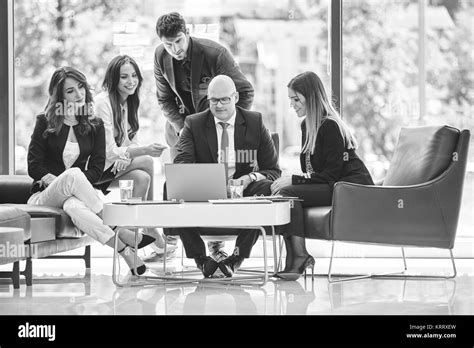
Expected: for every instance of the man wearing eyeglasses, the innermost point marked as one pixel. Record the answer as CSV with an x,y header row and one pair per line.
x,y
183,68
230,134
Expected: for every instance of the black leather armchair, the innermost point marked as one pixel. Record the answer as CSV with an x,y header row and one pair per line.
x,y
48,230
417,205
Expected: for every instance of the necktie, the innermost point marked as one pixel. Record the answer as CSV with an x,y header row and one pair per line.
x,y
224,151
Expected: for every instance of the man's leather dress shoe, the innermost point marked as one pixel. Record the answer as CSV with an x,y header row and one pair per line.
x,y
230,265
206,264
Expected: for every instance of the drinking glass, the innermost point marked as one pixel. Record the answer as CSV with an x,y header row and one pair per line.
x,y
236,187
126,189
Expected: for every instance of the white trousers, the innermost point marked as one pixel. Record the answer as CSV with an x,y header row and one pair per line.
x,y
72,192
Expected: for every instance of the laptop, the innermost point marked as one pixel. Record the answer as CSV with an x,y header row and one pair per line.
x,y
195,182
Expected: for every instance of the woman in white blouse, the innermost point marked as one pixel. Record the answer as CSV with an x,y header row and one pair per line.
x,y
118,107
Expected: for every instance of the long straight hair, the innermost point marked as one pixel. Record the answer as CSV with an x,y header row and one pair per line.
x,y
56,106
318,109
110,84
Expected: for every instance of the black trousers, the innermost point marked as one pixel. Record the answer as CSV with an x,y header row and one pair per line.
x,y
194,245
314,195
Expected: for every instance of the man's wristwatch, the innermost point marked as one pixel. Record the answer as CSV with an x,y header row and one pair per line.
x,y
253,177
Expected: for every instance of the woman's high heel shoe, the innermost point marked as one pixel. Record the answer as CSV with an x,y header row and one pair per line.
x,y
127,255
308,263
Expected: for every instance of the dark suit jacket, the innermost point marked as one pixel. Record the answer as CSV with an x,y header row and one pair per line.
x,y
331,160
198,143
208,59
45,155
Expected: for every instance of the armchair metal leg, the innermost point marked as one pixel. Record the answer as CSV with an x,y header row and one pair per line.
x,y
28,272
16,275
87,256
404,259
391,275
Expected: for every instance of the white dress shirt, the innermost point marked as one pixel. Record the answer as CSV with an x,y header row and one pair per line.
x,y
232,149
71,149
103,109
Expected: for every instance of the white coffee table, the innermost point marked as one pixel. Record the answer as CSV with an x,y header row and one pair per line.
x,y
202,214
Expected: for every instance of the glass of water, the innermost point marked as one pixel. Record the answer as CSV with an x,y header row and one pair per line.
x,y
126,189
236,187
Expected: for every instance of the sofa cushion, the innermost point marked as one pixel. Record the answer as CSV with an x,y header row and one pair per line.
x,y
38,210
15,188
13,217
12,246
317,222
422,154
43,229
64,228
44,249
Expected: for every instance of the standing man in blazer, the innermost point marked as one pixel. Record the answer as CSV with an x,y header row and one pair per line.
x,y
183,68
249,154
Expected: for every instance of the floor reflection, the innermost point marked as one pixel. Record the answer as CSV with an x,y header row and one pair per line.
x,y
392,297
95,294
294,296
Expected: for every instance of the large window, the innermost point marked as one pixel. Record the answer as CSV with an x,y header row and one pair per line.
x,y
272,41
405,63
408,63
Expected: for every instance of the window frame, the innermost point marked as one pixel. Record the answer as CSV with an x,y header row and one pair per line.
x,y
7,90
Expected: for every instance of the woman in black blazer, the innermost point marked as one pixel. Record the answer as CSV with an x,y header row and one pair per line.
x,y
66,156
327,156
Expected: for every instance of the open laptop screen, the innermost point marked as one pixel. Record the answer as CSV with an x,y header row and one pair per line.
x,y
195,182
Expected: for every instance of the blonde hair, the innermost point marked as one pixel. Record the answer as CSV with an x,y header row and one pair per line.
x,y
318,109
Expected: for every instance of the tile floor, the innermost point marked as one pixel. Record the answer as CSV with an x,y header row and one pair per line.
x,y
95,293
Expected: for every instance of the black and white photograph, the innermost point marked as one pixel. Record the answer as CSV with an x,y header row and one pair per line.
x,y
183,172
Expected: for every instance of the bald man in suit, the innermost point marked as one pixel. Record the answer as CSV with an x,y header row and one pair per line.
x,y
250,155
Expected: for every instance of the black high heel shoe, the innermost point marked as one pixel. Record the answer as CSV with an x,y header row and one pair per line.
x,y
308,263
140,269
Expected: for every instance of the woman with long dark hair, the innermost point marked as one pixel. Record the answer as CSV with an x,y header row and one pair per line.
x,y
117,105
66,156
327,156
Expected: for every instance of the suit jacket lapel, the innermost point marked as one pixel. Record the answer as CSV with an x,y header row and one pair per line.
x,y
240,131
197,58
61,139
211,135
169,71
81,141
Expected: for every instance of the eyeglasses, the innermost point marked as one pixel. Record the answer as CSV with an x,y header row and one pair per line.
x,y
224,100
